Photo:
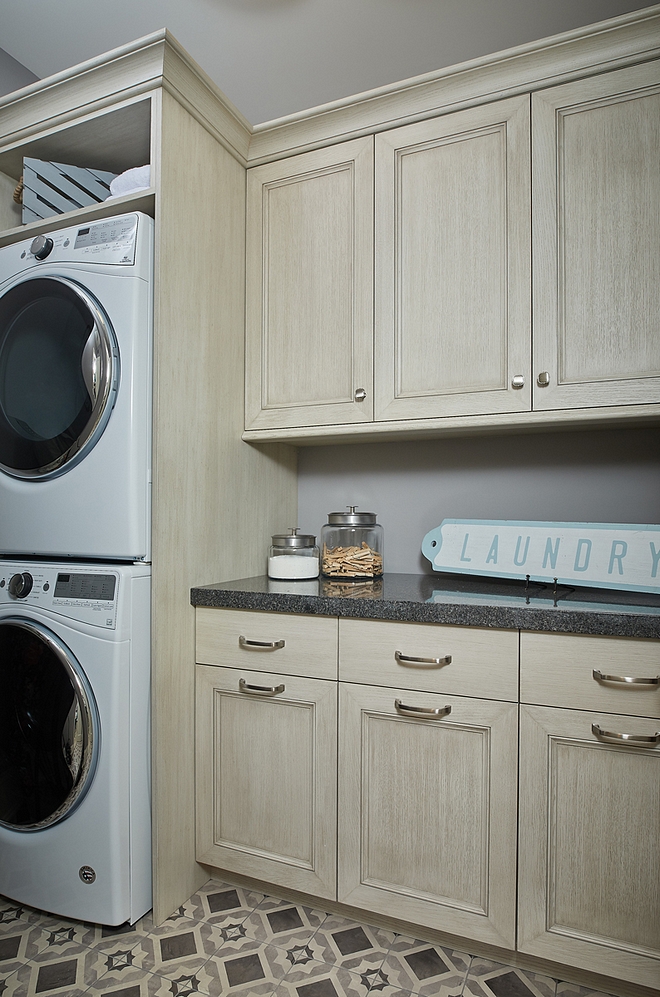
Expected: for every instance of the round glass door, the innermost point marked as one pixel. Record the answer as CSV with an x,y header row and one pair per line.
x,y
59,372
49,728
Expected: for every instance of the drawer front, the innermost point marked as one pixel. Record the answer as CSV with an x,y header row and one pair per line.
x,y
484,663
267,642
558,670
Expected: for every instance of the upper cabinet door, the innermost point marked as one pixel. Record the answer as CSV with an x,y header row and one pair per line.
x,y
596,181
310,289
453,264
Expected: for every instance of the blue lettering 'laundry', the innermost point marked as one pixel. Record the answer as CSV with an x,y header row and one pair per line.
x,y
617,555
585,545
517,553
492,553
465,543
655,554
551,553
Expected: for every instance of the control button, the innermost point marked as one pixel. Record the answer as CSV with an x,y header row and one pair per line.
x,y
41,247
46,586
2,583
20,585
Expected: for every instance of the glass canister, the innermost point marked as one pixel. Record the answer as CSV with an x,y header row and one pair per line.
x,y
352,545
293,555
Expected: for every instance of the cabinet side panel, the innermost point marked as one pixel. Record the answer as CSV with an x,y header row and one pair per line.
x,y
216,500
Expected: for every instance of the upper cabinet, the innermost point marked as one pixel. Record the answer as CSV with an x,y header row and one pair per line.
x,y
452,329
514,273
309,288
596,181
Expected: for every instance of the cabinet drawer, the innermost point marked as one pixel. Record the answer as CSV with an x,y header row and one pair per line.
x,y
267,642
484,663
557,670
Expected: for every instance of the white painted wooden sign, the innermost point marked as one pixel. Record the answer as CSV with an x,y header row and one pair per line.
x,y
604,555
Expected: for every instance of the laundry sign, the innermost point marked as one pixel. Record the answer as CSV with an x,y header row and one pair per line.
x,y
605,555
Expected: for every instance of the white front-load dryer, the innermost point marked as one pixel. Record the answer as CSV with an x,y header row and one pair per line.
x,y
75,391
75,830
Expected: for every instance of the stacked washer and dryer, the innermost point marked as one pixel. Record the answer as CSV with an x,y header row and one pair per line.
x,y
76,325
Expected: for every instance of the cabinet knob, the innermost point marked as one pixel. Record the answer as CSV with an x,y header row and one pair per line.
x,y
360,394
518,381
543,380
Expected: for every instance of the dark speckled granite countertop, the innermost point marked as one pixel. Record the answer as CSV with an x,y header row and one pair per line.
x,y
458,600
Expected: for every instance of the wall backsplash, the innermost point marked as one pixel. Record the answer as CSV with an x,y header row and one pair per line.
x,y
600,476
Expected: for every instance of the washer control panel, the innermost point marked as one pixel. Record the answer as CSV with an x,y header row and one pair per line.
x,y
86,595
111,240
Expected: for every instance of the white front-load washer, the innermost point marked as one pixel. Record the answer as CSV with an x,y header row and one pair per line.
x,y
76,312
75,829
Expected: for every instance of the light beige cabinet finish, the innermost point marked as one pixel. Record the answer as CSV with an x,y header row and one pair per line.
x,y
596,185
309,288
296,645
453,281
427,811
484,663
266,777
589,853
589,859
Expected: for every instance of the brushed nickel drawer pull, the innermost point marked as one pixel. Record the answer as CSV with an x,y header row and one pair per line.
x,y
407,659
624,679
636,740
259,645
260,690
421,712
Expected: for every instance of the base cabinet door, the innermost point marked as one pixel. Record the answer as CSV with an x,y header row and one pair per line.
x,y
427,810
266,777
589,862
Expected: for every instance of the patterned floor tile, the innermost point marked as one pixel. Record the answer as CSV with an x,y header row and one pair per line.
x,y
417,966
573,990
218,903
11,911
146,985
357,947
245,966
282,923
64,974
103,937
180,946
492,979
316,979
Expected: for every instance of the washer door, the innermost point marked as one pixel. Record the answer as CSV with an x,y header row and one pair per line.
x,y
59,373
49,727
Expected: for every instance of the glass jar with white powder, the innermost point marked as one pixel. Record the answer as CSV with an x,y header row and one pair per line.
x,y
293,555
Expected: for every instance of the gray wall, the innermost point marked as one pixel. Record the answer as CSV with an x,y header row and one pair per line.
x,y
13,75
609,476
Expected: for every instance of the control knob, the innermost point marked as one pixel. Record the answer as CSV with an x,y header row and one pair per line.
x,y
20,585
41,247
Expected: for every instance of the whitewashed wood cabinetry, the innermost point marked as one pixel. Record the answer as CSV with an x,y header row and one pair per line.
x,y
453,282
589,860
309,288
266,748
596,183
428,780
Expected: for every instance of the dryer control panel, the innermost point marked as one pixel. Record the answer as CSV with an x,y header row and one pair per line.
x,y
85,595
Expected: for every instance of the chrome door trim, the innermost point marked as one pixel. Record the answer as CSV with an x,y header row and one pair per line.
x,y
100,371
84,738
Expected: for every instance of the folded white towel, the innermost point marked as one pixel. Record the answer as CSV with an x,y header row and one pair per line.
x,y
139,178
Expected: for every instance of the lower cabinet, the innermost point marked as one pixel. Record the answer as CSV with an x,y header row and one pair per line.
x,y
376,763
589,854
427,809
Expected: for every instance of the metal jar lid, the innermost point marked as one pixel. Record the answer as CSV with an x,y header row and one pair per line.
x,y
351,518
293,539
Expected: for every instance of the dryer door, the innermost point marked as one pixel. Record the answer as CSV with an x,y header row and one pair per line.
x,y
49,727
59,374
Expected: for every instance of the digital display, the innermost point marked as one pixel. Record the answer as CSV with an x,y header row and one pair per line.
x,y
91,587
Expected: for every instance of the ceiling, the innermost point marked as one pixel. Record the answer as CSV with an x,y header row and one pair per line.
x,y
275,57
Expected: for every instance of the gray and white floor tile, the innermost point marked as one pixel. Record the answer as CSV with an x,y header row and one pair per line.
x,y
573,990
245,966
421,968
357,947
283,923
493,979
318,979
220,903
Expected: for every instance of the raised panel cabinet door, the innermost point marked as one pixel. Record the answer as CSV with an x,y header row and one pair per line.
x,y
309,305
427,810
453,271
596,183
266,777
589,862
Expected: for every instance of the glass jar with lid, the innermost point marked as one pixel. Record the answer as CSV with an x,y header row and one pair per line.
x,y
352,545
293,555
